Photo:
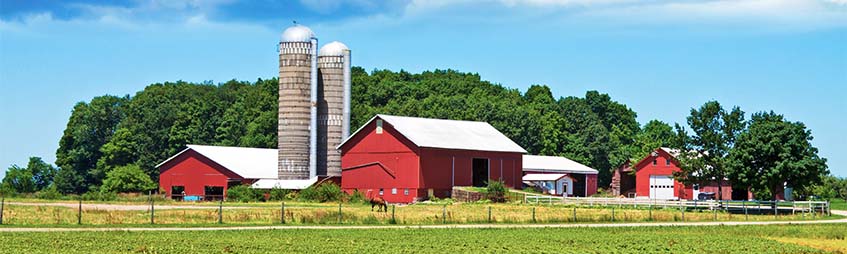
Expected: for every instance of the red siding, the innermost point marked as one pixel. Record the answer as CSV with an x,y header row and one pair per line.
x,y
372,161
194,172
645,168
590,185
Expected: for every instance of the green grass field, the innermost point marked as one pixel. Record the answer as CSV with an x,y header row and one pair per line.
x,y
825,238
357,214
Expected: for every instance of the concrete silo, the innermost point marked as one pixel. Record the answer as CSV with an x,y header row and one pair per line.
x,y
298,85
333,106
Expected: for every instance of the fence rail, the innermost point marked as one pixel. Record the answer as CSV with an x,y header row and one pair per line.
x,y
754,206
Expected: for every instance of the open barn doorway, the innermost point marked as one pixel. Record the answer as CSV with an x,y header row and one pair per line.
x,y
480,172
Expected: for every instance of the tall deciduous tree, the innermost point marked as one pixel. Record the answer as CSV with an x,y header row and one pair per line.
x,y
773,152
704,155
36,176
90,126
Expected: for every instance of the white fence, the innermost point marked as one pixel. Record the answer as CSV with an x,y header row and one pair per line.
x,y
760,207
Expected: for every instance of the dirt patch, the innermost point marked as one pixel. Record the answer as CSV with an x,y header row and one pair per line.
x,y
829,245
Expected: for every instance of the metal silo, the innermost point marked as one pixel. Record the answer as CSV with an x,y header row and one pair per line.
x,y
297,103
333,105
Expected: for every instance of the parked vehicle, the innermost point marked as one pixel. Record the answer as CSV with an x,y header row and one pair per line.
x,y
706,196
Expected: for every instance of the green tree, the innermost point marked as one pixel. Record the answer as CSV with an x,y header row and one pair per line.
x,y
90,126
653,135
773,152
37,176
129,178
19,180
704,155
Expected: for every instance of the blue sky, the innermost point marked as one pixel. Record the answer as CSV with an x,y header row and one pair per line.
x,y
660,58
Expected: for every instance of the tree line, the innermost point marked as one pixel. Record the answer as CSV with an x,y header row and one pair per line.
x,y
131,135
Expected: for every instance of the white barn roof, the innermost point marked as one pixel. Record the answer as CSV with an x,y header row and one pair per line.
x,y
250,163
555,164
448,134
542,177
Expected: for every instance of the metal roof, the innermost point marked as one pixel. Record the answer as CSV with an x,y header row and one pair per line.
x,y
542,177
334,48
297,33
555,164
250,163
448,134
284,184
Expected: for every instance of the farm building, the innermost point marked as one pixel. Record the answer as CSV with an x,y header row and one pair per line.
x,y
653,178
206,172
404,159
559,175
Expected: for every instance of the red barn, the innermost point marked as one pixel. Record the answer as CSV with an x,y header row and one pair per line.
x,y
405,159
206,172
654,179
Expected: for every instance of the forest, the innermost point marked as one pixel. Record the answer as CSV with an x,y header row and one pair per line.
x,y
126,136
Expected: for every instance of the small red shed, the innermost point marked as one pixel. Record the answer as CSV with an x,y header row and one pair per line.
x,y
405,159
206,172
581,181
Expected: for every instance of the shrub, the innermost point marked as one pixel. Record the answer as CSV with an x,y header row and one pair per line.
x,y
277,194
324,192
129,178
49,193
243,193
95,195
496,191
357,197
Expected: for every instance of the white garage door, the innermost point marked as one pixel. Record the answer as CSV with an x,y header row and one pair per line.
x,y
661,187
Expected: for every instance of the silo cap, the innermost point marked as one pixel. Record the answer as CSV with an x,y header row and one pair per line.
x,y
297,33
334,48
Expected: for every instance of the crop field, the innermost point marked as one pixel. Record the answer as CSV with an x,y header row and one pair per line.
x,y
357,214
821,238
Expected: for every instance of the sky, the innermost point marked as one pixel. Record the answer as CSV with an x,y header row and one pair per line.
x,y
660,58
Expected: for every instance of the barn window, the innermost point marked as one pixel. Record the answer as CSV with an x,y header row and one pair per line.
x,y
378,126
406,191
393,191
654,161
380,192
668,162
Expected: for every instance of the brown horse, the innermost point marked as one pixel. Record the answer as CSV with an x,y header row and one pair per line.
x,y
380,203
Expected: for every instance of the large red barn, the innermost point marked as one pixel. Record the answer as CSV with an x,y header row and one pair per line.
x,y
405,159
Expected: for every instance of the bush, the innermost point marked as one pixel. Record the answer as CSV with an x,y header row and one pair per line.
x,y
243,193
324,192
357,197
129,178
49,193
95,195
277,194
496,191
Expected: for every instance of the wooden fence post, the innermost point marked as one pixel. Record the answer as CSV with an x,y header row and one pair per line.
x,y
221,212
444,215
683,212
79,213
393,220
533,214
489,214
574,214
650,211
152,209
715,213
282,213
613,213
744,204
2,206
339,212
